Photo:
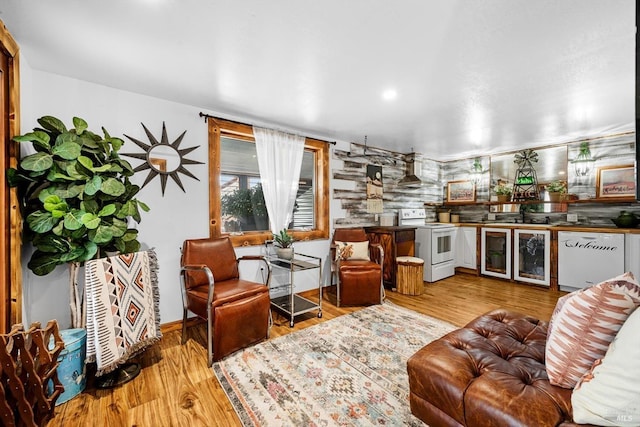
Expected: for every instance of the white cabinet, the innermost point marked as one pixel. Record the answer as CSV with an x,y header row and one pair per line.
x,y
495,252
532,256
632,254
465,251
585,258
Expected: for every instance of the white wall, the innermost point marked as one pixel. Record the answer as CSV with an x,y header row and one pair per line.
x,y
173,218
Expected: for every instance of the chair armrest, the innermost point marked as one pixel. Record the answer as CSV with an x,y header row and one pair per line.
x,y
251,258
379,256
199,267
258,258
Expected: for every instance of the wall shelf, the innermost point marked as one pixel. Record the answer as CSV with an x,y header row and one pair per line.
x,y
537,202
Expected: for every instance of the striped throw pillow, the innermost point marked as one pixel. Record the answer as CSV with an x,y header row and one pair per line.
x,y
583,325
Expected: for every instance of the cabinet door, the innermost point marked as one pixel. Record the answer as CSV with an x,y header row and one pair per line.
x,y
585,258
532,256
495,257
465,254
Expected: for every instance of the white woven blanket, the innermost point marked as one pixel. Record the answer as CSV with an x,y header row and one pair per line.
x,y
122,308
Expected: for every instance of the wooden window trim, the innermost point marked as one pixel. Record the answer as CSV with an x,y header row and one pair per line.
x,y
11,294
220,127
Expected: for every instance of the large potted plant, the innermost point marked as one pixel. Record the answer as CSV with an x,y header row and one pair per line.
x,y
76,199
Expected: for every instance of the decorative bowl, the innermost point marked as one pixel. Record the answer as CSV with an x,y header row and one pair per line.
x,y
626,220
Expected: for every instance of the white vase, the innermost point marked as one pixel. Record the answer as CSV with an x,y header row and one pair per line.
x,y
284,253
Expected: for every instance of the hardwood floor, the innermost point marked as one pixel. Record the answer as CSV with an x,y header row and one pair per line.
x,y
176,388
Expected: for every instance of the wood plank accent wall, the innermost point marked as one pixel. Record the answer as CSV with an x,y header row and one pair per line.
x,y
353,167
619,149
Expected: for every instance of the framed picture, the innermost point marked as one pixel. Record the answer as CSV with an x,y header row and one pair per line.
x,y
461,191
616,181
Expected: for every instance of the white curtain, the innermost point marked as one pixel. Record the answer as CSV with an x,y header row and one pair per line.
x,y
279,161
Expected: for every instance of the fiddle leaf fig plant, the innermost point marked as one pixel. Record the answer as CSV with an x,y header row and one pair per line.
x,y
76,195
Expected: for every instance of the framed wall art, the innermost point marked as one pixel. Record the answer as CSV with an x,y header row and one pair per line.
x,y
616,182
374,189
461,191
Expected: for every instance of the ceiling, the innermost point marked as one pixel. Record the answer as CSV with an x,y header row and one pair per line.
x,y
471,76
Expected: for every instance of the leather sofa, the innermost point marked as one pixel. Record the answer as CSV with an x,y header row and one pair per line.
x,y
489,373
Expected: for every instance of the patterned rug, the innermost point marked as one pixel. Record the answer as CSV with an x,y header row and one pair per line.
x,y
348,371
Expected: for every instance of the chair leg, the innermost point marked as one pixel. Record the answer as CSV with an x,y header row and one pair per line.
x,y
209,336
338,289
270,324
184,326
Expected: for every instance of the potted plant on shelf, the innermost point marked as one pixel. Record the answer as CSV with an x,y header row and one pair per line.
x,y
284,241
556,189
503,192
76,200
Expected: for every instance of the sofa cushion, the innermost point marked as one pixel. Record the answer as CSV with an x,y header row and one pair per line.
x,y
583,325
352,250
609,393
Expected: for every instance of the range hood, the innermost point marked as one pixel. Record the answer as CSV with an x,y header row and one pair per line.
x,y
413,171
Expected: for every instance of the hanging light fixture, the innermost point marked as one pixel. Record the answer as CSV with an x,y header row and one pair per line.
x,y
583,164
475,174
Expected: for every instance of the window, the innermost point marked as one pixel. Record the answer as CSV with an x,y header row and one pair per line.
x,y
236,203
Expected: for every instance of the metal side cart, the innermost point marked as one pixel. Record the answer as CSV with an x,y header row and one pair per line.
x,y
292,304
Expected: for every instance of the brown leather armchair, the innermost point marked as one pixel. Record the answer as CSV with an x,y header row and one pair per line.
x,y
237,311
358,282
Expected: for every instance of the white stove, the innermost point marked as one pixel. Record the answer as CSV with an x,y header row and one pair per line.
x,y
417,218
434,243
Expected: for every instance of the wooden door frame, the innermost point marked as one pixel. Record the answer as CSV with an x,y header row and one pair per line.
x,y
12,304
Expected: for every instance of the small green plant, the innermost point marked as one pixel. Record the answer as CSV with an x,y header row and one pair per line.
x,y
502,190
283,239
556,186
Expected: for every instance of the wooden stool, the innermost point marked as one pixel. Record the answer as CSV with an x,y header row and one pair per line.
x,y
409,278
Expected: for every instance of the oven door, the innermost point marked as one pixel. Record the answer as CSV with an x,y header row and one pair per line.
x,y
442,245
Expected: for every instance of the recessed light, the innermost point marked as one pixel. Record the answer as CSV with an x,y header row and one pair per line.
x,y
389,94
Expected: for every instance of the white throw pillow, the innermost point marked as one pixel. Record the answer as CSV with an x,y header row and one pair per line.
x,y
609,394
352,250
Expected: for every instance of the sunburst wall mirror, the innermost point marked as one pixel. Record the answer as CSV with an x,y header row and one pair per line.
x,y
163,158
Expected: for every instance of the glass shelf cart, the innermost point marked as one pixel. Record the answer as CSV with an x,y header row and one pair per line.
x,y
291,303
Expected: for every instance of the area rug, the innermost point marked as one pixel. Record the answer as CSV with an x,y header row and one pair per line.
x,y
348,371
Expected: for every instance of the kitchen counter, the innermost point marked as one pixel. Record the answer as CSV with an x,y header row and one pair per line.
x,y
556,227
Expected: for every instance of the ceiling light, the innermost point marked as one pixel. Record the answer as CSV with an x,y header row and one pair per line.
x,y
389,94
